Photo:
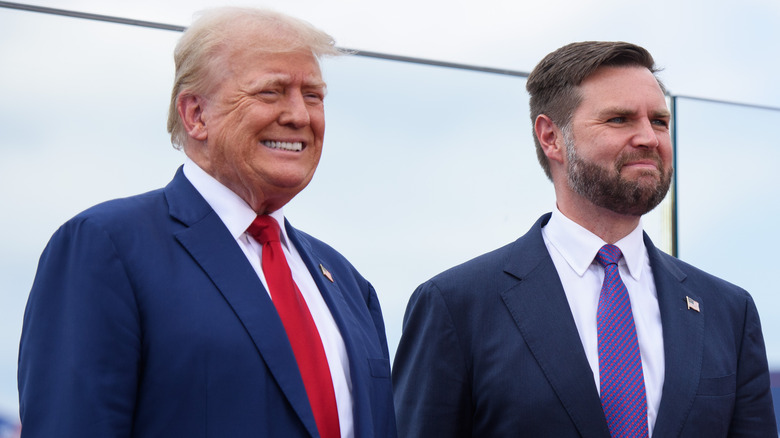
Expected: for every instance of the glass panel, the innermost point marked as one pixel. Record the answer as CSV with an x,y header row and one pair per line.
x,y
728,204
728,201
424,167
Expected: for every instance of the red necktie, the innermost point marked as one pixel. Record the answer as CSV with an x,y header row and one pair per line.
x,y
299,325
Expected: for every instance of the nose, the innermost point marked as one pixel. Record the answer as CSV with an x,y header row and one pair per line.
x,y
295,112
646,135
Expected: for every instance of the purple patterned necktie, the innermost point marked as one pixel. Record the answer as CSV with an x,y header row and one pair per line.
x,y
620,364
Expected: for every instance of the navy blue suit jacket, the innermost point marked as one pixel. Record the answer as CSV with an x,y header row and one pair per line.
x,y
146,320
490,349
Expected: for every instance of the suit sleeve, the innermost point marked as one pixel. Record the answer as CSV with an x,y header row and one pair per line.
x,y
382,399
753,410
80,346
379,323
430,376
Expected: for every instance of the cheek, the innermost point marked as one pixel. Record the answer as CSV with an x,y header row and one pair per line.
x,y
236,150
667,153
317,122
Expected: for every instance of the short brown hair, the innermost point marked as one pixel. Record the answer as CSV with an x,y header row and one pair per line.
x,y
553,82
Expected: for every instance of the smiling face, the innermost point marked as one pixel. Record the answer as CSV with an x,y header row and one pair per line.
x,y
618,147
260,128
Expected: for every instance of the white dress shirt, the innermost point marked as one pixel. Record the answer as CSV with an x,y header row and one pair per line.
x,y
573,250
236,214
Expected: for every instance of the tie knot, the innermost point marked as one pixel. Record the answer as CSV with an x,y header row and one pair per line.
x,y
264,229
608,255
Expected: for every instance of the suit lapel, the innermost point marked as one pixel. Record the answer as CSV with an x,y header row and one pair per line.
x,y
541,311
330,290
345,321
208,242
683,343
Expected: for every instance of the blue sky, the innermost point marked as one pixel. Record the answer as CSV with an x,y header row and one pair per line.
x,y
424,167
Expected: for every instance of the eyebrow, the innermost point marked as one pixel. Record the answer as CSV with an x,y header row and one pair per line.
x,y
284,79
612,111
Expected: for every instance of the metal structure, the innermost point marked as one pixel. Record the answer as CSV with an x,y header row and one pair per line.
x,y
420,61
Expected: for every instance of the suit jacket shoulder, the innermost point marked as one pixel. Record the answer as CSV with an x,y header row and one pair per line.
x,y
490,348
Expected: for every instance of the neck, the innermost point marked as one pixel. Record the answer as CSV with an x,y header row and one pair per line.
x,y
608,225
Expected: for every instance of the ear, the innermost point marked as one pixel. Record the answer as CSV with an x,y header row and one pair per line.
x,y
550,138
190,108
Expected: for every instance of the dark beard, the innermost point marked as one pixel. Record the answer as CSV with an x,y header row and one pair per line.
x,y
606,188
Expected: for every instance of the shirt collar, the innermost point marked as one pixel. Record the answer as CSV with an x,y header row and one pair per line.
x,y
579,247
234,212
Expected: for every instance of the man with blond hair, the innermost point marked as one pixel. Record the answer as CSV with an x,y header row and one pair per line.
x,y
197,310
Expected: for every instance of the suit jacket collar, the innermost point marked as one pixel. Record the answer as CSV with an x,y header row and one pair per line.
x,y
539,307
212,246
541,312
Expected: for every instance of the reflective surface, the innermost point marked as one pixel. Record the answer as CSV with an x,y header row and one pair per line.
x,y
728,201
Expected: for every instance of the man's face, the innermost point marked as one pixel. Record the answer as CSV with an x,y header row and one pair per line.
x,y
619,152
265,124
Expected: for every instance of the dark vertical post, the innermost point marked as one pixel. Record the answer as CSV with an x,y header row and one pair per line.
x,y
674,224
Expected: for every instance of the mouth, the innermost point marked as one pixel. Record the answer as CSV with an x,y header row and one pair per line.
x,y
642,161
295,146
642,165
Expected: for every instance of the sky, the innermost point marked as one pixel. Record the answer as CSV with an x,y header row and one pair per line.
x,y
426,149
714,49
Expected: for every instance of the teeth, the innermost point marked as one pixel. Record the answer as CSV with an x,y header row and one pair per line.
x,y
297,146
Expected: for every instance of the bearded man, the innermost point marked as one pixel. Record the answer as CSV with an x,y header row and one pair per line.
x,y
582,327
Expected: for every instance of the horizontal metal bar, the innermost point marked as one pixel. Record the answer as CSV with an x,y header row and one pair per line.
x,y
364,53
88,16
424,61
725,102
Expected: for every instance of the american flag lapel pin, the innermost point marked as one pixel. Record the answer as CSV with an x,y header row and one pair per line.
x,y
692,304
327,275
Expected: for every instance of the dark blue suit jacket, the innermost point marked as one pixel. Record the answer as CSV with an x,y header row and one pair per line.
x,y
146,320
490,349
